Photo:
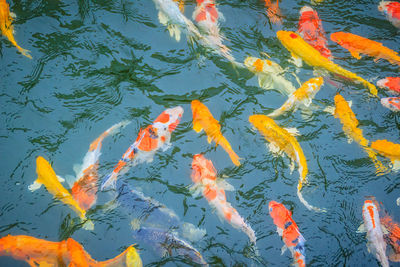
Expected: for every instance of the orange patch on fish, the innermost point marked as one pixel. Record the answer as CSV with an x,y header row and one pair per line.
x,y
258,64
163,118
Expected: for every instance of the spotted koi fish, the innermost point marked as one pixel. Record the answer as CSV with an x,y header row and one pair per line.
x,y
273,12
289,231
311,30
392,103
154,137
392,237
205,177
390,83
39,252
391,10
389,150
376,244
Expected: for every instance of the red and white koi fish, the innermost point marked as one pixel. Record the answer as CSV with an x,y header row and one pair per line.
x,y
392,237
391,9
289,231
390,83
392,103
273,12
311,30
84,189
154,137
376,245
204,176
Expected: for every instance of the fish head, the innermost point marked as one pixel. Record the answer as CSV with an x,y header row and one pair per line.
x,y
132,257
383,6
202,168
392,103
370,213
289,39
306,9
167,121
279,213
254,64
338,37
382,83
315,84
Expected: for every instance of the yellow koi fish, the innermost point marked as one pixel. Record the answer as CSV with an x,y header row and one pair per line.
x,y
347,117
48,178
389,150
281,140
300,49
302,96
203,120
6,27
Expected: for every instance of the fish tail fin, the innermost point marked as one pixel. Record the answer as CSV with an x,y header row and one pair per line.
x,y
88,225
276,113
110,131
192,233
372,88
24,52
174,31
234,157
109,182
380,168
308,206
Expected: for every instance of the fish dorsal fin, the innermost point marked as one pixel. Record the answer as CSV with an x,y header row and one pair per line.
x,y
293,131
355,54
283,249
35,186
296,61
361,229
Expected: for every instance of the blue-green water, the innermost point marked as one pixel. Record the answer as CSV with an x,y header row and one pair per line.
x,y
96,63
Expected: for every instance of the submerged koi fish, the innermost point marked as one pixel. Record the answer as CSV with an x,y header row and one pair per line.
x,y
203,120
154,137
376,245
391,9
6,27
168,244
392,103
84,189
357,44
300,49
273,11
311,30
39,252
205,178
281,140
392,237
270,75
48,178
289,231
389,150
347,117
390,83
302,96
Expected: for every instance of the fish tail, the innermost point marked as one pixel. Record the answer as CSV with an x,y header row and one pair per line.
x,y
380,168
227,147
192,233
372,88
88,225
24,52
110,131
109,182
308,206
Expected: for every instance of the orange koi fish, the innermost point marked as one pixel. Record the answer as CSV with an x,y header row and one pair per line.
x,y
390,83
389,150
203,120
84,189
392,237
281,140
289,231
273,11
204,176
357,44
376,245
154,137
311,30
6,27
39,252
391,10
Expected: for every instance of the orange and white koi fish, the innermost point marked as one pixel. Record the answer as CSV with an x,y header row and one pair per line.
x,y
347,117
84,189
270,75
289,231
281,140
300,49
311,30
154,137
6,27
203,120
392,237
302,96
391,9
357,44
389,150
48,178
392,103
390,83
39,252
273,11
376,245
204,176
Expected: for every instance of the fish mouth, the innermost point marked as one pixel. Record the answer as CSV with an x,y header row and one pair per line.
x,y
382,82
392,103
305,9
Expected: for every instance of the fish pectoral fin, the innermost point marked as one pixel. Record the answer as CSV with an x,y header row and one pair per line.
x,y
291,166
396,165
88,225
349,139
223,184
35,186
293,131
283,249
70,180
355,54
209,139
60,179
279,231
166,146
77,168
162,18
330,110
274,148
361,229
265,81
398,201
376,59
296,61
195,190
197,127
307,102
13,15
350,102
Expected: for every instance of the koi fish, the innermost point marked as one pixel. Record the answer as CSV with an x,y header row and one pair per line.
x,y
392,237
40,252
390,83
302,96
300,49
391,10
376,245
281,140
289,231
311,30
203,120
154,137
273,12
347,117
48,178
392,103
389,150
357,44
205,177
270,75
6,27
169,244
84,190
